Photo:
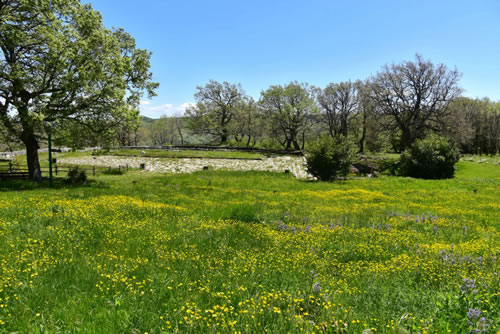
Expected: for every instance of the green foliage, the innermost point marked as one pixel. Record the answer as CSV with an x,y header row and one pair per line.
x,y
74,73
389,166
329,158
431,158
166,130
474,125
216,106
100,152
414,96
114,171
76,175
340,103
290,109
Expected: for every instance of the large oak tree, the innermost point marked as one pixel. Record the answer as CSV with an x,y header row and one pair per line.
x,y
216,106
414,97
60,65
291,108
339,104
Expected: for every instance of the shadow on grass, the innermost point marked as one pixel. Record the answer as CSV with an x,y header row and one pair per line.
x,y
59,183
336,181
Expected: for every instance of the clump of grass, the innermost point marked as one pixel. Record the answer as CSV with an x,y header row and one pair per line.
x,y
245,213
114,171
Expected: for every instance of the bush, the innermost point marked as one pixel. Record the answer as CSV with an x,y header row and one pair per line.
x,y
389,166
431,158
329,158
100,152
114,171
76,175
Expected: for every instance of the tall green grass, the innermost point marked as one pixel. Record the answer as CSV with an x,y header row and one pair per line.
x,y
251,252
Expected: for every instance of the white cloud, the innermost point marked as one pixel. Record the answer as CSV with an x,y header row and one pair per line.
x,y
163,109
143,103
186,105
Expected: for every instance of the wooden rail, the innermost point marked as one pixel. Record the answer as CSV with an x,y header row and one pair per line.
x,y
17,171
13,175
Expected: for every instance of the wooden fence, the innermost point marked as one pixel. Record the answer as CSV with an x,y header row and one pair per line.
x,y
11,170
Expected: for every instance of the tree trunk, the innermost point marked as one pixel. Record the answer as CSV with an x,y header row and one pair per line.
x,y
179,130
332,132
136,136
406,139
223,136
362,140
396,147
344,127
31,143
293,139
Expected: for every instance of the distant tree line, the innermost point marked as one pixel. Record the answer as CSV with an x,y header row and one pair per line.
x,y
62,72
389,111
386,112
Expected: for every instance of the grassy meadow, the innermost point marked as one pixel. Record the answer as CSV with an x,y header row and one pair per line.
x,y
251,252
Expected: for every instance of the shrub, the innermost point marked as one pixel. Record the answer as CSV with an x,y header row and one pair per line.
x,y
114,171
76,175
100,152
389,166
431,158
329,158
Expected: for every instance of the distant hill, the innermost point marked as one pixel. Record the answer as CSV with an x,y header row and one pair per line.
x,y
147,120
189,137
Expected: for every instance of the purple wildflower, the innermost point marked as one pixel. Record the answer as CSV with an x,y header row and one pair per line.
x,y
473,314
469,285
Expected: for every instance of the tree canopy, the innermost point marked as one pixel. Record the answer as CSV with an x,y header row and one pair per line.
x,y
216,106
291,108
414,96
60,65
339,103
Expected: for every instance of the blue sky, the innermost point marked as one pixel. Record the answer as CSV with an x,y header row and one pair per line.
x,y
260,43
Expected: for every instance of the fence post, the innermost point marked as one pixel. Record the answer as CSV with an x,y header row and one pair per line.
x,y
127,167
51,178
110,168
93,170
119,168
